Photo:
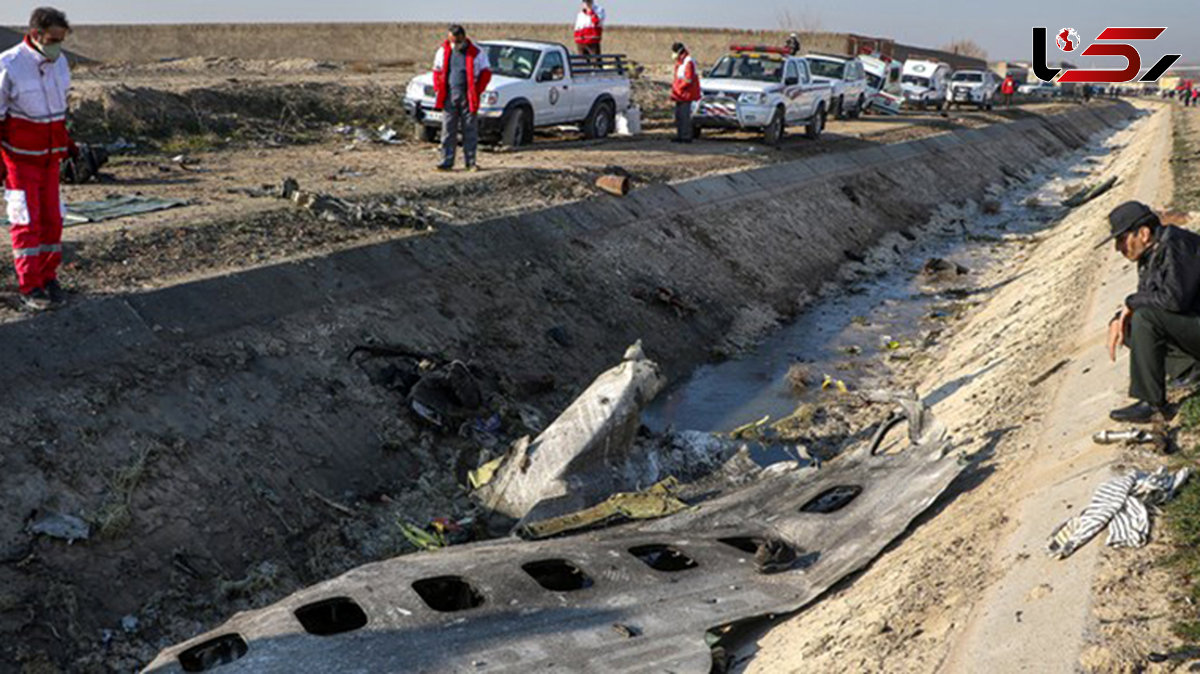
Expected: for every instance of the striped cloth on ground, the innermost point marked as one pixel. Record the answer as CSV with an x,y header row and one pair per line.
x,y
1122,504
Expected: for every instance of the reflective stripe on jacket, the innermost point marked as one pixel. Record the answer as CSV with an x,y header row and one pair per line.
x,y
589,25
479,74
686,87
33,104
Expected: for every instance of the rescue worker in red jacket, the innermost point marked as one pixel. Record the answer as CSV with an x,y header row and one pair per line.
x,y
461,74
589,28
1007,89
34,82
685,91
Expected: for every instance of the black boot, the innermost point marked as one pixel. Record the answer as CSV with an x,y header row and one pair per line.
x,y
1137,413
54,290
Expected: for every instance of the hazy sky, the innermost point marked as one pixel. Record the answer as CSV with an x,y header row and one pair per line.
x,y
1003,28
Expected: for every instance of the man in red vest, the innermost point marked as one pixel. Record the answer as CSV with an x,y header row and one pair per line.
x,y
685,90
34,82
461,73
1008,88
589,28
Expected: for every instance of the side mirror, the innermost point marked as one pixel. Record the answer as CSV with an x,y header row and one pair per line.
x,y
543,76
791,81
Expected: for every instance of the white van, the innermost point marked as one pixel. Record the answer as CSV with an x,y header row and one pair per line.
x,y
924,83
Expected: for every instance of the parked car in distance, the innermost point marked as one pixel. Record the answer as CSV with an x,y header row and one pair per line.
x,y
1038,89
974,87
534,84
848,79
762,88
925,84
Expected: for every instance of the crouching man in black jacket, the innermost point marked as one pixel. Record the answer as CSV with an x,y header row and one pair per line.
x,y
1160,323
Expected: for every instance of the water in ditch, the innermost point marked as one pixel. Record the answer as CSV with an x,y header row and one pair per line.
x,y
884,312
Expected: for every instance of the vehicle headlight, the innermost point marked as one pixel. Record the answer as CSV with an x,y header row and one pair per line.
x,y
489,98
753,98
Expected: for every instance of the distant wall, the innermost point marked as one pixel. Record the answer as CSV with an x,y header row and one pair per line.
x,y
398,42
904,52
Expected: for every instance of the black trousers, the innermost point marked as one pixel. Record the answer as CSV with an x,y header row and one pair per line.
x,y
683,120
1161,343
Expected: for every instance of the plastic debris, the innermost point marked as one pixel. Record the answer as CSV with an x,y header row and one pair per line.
x,y
653,503
68,528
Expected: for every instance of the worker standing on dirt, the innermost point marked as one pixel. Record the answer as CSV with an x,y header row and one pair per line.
x,y
34,81
589,28
1007,89
1160,323
685,90
461,73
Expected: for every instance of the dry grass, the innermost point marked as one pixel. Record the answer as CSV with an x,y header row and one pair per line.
x,y
116,515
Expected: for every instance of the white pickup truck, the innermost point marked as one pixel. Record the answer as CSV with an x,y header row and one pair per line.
x,y
534,84
848,79
974,87
762,88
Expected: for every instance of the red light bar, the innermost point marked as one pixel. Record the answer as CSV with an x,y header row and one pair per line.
x,y
758,48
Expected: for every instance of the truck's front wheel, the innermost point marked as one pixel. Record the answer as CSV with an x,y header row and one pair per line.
x,y
817,124
859,108
600,121
774,131
518,128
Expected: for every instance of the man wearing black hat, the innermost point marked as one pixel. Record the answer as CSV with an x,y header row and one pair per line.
x,y
1160,323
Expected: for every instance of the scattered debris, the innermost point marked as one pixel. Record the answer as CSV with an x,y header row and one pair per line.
x,y
627,631
1133,436
1121,505
544,478
657,501
130,624
774,556
393,211
63,527
444,393
1089,192
84,167
938,269
836,384
614,184
667,297
798,378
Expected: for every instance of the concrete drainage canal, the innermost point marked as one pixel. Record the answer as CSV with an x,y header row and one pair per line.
x,y
775,474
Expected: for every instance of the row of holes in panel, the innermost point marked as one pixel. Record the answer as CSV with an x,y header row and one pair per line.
x,y
448,594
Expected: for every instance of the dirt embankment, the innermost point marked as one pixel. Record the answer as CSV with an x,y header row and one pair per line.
x,y
404,43
225,450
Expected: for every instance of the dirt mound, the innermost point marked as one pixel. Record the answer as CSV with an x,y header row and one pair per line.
x,y
234,110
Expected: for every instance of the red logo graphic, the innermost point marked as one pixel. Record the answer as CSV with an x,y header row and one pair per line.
x,y
1068,40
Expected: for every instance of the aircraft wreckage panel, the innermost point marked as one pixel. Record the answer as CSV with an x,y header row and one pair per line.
x,y
646,612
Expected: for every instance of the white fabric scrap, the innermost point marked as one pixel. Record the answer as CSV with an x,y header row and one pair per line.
x,y
1122,504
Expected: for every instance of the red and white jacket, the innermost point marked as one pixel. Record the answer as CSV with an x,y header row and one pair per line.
x,y
686,85
33,104
589,25
479,74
